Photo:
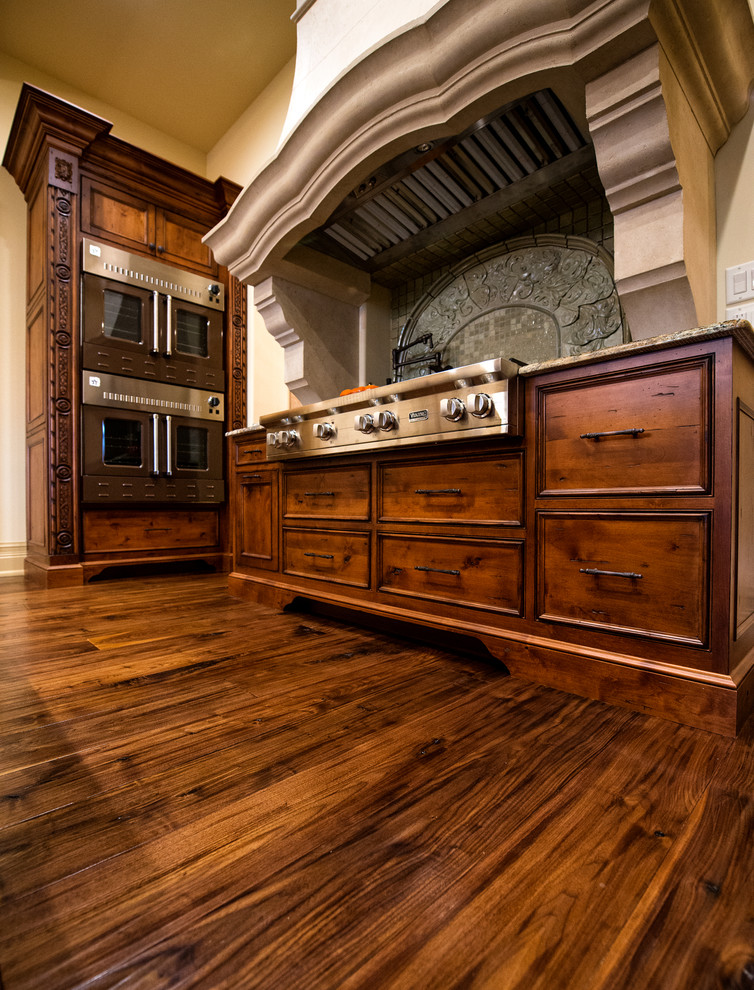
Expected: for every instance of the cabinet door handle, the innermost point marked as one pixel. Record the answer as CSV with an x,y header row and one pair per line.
x,y
316,494
437,491
325,556
599,573
436,570
634,432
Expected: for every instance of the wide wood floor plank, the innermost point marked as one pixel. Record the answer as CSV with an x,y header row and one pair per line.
x,y
695,923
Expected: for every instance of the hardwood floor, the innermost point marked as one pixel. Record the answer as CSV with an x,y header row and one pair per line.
x,y
199,792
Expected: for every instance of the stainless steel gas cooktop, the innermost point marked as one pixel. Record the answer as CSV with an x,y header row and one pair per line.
x,y
464,403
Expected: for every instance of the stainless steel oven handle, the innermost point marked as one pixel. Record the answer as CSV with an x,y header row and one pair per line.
x,y
168,446
169,328
155,444
155,323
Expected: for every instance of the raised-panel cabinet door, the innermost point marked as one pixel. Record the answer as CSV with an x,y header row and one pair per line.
x,y
256,536
179,241
117,216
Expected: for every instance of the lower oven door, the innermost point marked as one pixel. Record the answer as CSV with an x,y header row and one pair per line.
x,y
132,456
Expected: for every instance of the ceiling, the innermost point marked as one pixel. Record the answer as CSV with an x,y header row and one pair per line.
x,y
189,68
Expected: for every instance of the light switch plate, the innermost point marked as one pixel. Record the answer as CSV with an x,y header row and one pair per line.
x,y
739,283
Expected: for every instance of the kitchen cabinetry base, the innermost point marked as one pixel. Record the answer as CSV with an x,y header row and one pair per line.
x,y
43,574
711,702
219,562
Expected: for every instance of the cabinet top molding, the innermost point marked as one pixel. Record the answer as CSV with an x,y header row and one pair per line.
x,y
43,121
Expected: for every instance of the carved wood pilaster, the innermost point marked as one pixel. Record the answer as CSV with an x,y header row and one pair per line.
x,y
236,414
63,362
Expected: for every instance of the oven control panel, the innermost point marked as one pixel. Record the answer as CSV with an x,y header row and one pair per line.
x,y
98,389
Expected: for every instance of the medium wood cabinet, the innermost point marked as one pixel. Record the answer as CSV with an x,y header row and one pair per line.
x,y
255,489
607,553
133,222
79,181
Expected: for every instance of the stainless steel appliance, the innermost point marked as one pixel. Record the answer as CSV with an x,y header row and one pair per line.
x,y
153,381
144,319
474,401
150,442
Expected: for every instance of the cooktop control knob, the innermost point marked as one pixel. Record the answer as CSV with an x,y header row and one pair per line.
x,y
273,440
364,423
386,420
480,404
287,438
324,431
452,409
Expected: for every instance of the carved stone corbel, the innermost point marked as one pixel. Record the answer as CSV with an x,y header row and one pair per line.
x,y
319,336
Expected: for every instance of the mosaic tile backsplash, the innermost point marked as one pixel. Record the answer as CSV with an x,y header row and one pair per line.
x,y
533,299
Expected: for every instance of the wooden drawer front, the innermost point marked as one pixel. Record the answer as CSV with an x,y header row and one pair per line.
x,y
330,493
456,490
638,574
153,530
339,557
483,573
645,432
249,452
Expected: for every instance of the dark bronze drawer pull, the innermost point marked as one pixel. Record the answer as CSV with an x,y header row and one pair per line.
x,y
437,491
613,433
255,477
599,573
436,570
326,556
315,494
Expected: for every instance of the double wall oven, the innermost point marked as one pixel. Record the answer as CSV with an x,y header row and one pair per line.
x,y
153,381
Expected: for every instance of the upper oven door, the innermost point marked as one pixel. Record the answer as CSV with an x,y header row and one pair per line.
x,y
120,328
193,350
150,334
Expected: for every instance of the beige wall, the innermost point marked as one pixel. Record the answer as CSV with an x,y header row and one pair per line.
x,y
734,182
240,154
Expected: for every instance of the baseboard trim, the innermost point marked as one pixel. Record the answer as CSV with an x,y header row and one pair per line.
x,y
12,559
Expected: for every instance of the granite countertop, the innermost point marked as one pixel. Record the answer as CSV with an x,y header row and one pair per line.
x,y
243,430
741,330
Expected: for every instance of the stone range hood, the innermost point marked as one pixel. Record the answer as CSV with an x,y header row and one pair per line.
x,y
653,87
